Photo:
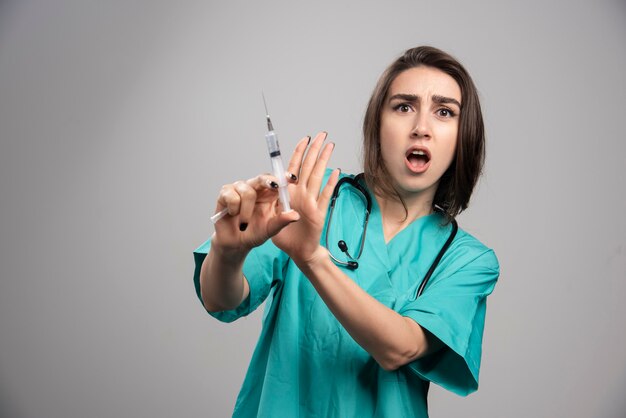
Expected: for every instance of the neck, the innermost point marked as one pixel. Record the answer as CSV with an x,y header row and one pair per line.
x,y
394,216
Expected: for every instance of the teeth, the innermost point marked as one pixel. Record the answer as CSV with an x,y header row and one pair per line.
x,y
418,152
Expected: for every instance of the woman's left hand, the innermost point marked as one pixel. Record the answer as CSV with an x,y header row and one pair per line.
x,y
301,239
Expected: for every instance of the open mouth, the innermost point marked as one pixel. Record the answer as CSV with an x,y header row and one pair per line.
x,y
418,159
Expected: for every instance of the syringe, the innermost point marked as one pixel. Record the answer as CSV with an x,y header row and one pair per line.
x,y
278,169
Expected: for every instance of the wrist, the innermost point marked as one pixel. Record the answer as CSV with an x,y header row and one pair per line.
x,y
314,262
233,255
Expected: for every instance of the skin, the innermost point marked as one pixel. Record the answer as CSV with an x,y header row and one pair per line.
x,y
422,109
391,339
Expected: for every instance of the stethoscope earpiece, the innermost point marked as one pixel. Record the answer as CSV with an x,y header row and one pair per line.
x,y
351,263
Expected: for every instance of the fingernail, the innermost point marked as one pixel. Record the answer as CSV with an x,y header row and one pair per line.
x,y
293,177
333,144
243,226
309,140
325,135
272,184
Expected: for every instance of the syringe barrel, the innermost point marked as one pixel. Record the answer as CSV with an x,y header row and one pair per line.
x,y
272,143
283,196
278,169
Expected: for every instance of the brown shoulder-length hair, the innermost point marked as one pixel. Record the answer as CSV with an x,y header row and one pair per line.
x,y
457,183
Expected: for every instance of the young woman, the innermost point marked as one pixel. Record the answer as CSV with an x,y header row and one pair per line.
x,y
364,307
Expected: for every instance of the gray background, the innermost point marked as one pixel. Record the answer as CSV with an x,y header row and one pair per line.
x,y
119,121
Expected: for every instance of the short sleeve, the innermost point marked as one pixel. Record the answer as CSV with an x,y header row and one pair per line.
x,y
264,267
453,309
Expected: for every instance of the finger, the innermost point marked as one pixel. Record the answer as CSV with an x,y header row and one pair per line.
x,y
262,182
311,157
277,223
266,187
327,192
247,202
229,199
296,159
317,175
291,178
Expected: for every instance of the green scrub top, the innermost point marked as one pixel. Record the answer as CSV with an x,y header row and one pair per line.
x,y
305,364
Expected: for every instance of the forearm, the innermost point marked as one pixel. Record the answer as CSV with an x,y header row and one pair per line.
x,y
393,340
222,283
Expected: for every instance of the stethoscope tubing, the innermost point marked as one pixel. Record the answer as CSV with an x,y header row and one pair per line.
x,y
353,264
433,266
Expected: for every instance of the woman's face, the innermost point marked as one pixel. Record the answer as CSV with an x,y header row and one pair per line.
x,y
419,126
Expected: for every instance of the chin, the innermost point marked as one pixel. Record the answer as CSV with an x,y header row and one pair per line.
x,y
417,186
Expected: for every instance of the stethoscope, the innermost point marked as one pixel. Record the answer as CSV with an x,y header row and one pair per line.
x,y
352,262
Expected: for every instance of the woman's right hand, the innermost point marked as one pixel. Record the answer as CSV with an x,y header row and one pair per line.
x,y
254,213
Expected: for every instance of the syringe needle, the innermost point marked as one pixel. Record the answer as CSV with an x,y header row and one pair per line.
x,y
265,104
267,114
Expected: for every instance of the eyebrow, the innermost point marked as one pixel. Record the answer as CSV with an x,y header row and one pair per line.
x,y
415,98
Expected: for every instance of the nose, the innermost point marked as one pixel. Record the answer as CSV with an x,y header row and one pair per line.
x,y
421,126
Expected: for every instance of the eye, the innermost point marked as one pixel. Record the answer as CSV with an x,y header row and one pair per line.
x,y
445,112
402,107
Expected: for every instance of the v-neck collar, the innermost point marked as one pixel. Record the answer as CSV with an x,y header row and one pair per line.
x,y
419,226
376,217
